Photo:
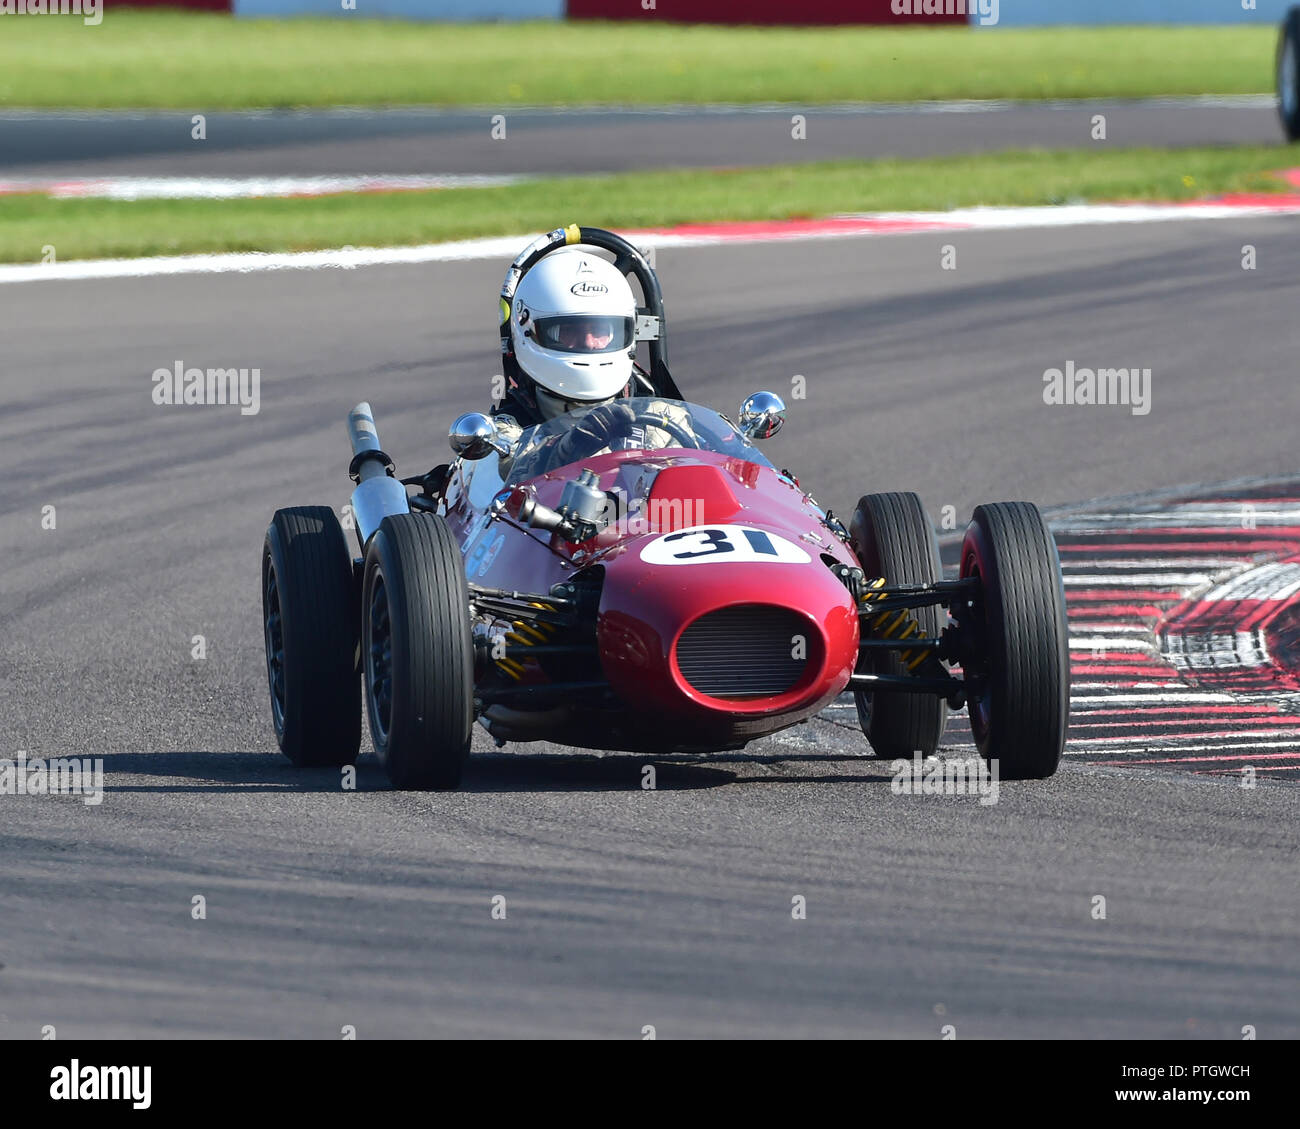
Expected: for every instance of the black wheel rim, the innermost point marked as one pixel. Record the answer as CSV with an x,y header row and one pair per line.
x,y
866,665
980,706
274,625
379,663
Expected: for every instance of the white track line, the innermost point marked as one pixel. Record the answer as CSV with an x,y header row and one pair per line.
x,y
343,259
1277,581
1191,517
239,188
1150,564
1170,742
883,223
1166,696
1137,580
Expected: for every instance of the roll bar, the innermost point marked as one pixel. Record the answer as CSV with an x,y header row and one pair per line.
x,y
651,323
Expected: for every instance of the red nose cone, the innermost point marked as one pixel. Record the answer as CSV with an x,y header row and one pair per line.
x,y
731,649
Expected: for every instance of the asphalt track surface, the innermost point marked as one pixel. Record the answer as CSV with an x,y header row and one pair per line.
x,y
625,907
416,141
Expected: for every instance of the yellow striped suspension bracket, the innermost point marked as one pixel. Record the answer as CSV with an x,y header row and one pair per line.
x,y
525,634
899,625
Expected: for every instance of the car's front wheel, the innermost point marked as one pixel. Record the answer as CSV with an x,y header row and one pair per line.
x,y
893,538
417,651
1019,686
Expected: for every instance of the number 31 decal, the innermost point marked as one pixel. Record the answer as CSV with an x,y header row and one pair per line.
x,y
722,544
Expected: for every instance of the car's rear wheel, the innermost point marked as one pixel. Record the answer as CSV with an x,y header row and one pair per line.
x,y
309,620
417,651
893,538
1288,74
1019,687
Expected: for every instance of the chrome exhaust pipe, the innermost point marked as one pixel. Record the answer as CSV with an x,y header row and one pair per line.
x,y
378,494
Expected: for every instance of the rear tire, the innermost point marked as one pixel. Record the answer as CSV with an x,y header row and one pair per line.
x,y
309,621
417,651
893,538
1288,74
1020,691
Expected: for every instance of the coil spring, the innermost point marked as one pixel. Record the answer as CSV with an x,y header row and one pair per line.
x,y
903,625
524,634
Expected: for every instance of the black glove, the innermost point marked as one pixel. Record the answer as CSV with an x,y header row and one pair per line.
x,y
595,430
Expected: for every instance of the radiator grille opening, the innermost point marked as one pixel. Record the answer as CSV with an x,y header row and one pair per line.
x,y
745,651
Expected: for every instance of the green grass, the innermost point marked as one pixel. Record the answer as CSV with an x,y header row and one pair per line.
x,y
210,62
97,228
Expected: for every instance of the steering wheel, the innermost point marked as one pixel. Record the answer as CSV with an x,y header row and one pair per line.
x,y
669,427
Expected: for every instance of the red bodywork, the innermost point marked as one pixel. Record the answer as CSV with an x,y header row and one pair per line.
x,y
645,607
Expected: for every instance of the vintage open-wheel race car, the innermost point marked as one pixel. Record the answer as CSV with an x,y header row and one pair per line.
x,y
638,576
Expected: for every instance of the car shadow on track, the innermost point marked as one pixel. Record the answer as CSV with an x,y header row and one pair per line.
x,y
870,770
208,772
555,772
562,772
194,771
578,772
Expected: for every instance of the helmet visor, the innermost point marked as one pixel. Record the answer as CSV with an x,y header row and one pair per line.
x,y
584,333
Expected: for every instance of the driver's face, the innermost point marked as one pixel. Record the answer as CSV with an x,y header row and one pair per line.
x,y
589,334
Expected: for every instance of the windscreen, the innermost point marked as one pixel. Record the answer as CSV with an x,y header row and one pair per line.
x,y
639,423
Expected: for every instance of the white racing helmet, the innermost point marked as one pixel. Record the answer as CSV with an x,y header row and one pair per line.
x,y
573,329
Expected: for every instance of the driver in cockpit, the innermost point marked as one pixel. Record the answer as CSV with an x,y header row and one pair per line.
x,y
572,346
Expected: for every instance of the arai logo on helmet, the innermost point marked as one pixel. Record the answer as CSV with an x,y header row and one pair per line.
x,y
581,288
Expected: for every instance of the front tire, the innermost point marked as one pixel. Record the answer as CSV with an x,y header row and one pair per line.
x,y
309,620
417,651
1019,688
893,538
